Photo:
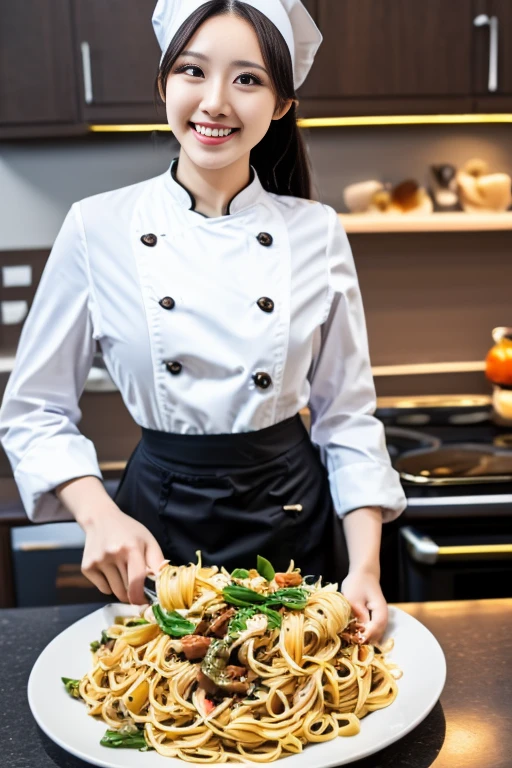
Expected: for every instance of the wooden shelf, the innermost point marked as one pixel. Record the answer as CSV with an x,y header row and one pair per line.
x,y
358,223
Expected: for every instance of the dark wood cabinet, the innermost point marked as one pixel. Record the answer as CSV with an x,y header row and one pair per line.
x,y
37,77
66,64
118,56
499,100
389,56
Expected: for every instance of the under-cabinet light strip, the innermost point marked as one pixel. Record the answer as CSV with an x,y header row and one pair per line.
x,y
426,368
339,122
7,365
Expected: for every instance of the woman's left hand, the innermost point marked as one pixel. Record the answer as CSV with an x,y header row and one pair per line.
x,y
363,592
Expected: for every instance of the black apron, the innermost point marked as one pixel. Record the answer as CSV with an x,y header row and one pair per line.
x,y
225,494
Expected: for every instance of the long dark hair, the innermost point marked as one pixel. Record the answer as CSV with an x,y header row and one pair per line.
x,y
280,158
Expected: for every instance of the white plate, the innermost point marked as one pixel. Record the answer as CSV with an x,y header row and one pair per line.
x,y
65,720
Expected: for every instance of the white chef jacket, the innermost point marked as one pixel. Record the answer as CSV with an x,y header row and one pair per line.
x,y
103,283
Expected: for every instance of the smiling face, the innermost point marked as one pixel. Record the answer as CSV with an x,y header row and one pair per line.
x,y
220,82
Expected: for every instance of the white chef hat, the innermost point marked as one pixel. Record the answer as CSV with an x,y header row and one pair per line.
x,y
290,17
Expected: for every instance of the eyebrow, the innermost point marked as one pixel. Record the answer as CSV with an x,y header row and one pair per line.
x,y
238,63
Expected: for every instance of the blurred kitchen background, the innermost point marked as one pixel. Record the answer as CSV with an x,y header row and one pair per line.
x,y
409,106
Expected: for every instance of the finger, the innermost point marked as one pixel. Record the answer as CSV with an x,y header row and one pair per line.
x,y
360,611
122,567
97,578
377,624
154,555
136,574
115,580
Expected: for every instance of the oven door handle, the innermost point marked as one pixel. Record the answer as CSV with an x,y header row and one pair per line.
x,y
424,550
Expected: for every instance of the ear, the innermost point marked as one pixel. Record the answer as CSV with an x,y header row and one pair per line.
x,y
278,114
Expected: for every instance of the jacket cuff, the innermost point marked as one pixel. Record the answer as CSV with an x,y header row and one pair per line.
x,y
367,485
48,464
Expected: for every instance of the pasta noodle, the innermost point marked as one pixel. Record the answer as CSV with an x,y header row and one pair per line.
x,y
235,667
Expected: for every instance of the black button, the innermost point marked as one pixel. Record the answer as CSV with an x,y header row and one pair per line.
x,y
262,380
149,240
167,302
266,304
265,239
174,367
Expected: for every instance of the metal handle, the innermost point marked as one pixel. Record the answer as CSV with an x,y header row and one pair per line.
x,y
424,550
87,70
493,22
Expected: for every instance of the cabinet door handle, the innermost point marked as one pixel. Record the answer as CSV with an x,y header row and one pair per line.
x,y
493,22
87,70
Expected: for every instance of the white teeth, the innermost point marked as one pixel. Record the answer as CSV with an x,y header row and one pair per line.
x,y
215,132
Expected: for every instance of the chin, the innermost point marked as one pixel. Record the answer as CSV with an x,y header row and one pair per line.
x,y
212,160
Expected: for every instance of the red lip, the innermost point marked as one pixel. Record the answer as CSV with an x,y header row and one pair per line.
x,y
213,139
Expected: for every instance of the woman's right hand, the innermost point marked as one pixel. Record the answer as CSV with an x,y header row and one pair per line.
x,y
118,553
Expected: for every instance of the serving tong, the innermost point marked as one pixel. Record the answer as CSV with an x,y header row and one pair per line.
x,y
149,590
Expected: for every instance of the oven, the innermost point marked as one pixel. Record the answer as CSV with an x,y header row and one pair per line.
x,y
454,541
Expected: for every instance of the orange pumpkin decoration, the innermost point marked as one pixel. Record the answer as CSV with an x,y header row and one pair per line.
x,y
498,363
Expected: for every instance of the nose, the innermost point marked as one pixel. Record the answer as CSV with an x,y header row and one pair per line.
x,y
215,101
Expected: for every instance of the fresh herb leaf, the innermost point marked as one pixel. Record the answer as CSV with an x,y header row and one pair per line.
x,y
240,573
293,598
95,645
239,603
71,686
274,618
125,740
238,623
172,623
136,622
105,637
238,595
251,602
265,568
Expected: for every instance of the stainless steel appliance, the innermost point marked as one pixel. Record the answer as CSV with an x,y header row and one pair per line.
x,y
455,538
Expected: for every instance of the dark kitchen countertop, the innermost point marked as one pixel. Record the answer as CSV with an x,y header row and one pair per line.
x,y
468,728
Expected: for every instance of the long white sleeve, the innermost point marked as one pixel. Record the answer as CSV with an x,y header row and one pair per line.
x,y
40,412
342,400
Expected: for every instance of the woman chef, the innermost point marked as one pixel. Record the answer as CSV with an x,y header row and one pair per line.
x,y
224,301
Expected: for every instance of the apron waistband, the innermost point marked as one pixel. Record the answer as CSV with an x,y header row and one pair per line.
x,y
238,449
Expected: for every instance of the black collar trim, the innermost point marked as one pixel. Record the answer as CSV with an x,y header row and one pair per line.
x,y
174,168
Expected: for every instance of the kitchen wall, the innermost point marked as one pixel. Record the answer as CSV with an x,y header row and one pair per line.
x,y
428,297
40,179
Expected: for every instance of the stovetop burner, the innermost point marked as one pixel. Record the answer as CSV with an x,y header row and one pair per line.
x,y
461,464
449,456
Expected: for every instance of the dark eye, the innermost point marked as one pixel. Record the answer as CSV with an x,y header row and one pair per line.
x,y
190,69
246,78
